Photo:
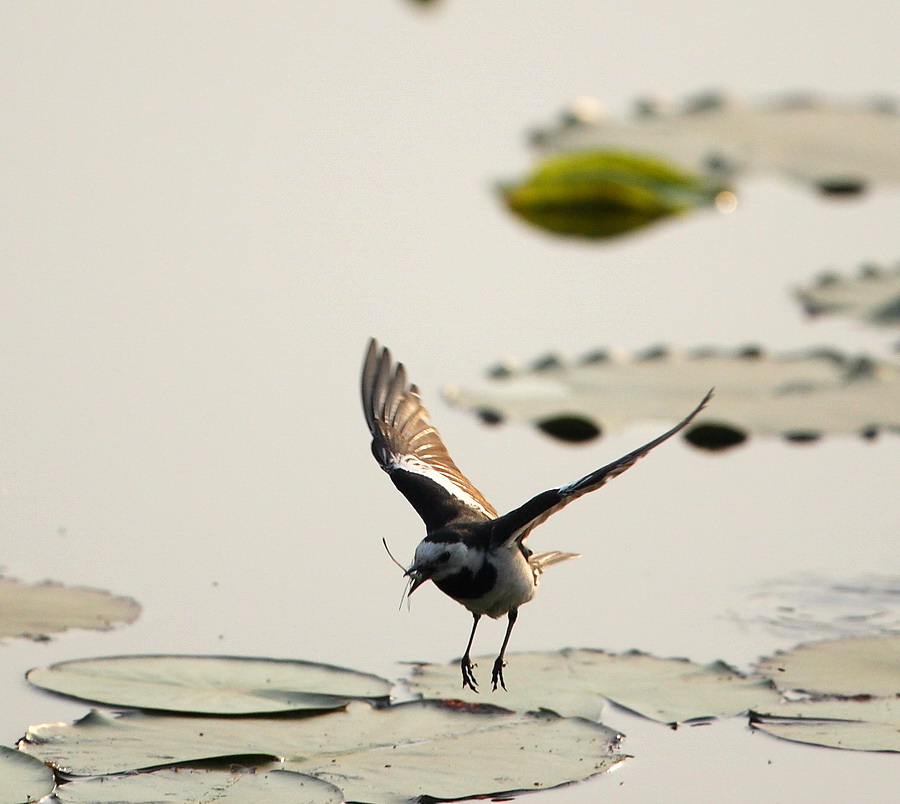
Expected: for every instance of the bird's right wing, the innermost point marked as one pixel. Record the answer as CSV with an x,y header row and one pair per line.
x,y
410,449
518,523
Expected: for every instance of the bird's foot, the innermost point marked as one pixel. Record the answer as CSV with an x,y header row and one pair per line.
x,y
497,674
468,676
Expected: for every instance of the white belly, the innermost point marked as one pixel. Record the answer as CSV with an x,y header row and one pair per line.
x,y
514,587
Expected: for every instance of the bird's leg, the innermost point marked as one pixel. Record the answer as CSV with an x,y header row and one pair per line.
x,y
497,674
466,663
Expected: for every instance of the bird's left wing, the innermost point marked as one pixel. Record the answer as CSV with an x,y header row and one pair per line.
x,y
518,523
410,449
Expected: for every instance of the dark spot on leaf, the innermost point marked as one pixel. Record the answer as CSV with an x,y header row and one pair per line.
x,y
720,163
842,187
574,429
869,270
547,363
888,313
828,279
658,352
490,416
802,436
500,371
715,436
596,356
751,350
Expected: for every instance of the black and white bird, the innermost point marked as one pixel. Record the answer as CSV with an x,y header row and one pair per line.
x,y
470,552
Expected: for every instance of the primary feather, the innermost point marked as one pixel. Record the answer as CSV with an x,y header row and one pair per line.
x,y
409,448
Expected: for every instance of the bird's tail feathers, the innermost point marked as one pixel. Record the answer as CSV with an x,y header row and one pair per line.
x,y
540,561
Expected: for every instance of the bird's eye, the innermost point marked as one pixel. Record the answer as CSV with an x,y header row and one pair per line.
x,y
444,557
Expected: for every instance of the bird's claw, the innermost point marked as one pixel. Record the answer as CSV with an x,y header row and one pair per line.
x,y
497,674
468,677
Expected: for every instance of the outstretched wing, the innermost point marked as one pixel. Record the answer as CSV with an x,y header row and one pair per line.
x,y
410,450
517,524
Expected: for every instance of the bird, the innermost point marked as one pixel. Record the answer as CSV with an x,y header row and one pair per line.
x,y
470,552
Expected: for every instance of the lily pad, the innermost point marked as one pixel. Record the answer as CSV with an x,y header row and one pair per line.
x,y
602,194
235,785
872,296
858,725
445,749
847,667
574,682
23,778
224,685
834,147
813,607
34,611
797,396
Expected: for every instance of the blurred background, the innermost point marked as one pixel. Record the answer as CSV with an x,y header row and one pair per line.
x,y
208,207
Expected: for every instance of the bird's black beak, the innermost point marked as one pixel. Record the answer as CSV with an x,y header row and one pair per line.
x,y
417,577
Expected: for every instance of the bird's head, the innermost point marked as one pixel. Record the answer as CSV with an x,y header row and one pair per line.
x,y
434,561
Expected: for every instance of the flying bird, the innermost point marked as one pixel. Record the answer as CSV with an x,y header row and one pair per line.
x,y
470,552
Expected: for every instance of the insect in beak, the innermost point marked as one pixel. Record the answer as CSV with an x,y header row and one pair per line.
x,y
416,578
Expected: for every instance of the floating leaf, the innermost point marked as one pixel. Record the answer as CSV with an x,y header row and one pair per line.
x,y
23,778
572,682
445,749
36,610
796,396
837,148
817,607
849,667
236,785
872,296
604,194
224,685
865,725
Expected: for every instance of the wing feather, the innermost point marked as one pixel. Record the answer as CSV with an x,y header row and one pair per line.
x,y
518,523
410,449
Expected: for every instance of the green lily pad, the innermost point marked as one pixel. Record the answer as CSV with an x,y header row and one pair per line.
x,y
35,610
23,778
388,755
224,685
858,725
848,667
602,194
574,682
235,785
